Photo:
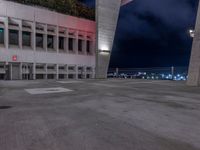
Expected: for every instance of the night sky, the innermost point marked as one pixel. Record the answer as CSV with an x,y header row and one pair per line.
x,y
153,33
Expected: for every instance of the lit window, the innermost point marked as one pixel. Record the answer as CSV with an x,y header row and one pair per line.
x,y
13,37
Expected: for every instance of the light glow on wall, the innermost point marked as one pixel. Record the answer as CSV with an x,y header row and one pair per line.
x,y
104,47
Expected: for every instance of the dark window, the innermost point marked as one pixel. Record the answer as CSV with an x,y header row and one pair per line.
x,y
71,68
80,45
80,68
88,47
39,40
88,76
89,69
61,42
61,68
71,76
70,44
13,37
50,67
61,76
26,38
39,67
39,76
1,36
50,42
50,76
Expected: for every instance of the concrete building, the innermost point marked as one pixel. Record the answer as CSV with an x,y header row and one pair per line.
x,y
107,12
194,68
36,43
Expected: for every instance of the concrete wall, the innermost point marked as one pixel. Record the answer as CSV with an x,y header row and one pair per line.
x,y
34,15
107,12
194,68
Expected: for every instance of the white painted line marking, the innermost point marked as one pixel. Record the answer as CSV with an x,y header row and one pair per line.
x,y
68,82
47,90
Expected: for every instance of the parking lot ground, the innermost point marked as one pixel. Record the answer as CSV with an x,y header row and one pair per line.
x,y
108,114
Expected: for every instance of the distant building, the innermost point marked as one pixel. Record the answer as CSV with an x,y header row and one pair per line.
x,y
36,43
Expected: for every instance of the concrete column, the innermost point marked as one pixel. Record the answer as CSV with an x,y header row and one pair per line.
x,y
45,38
76,43
66,75
66,41
57,72
76,68
33,37
11,75
6,34
85,45
20,71
20,34
194,67
57,40
107,12
46,71
34,71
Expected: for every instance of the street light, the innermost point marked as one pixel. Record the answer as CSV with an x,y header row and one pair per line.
x,y
192,33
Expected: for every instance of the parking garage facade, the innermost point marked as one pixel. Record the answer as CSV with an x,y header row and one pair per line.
x,y
36,43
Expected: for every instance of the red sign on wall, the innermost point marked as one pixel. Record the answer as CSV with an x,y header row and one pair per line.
x,y
14,58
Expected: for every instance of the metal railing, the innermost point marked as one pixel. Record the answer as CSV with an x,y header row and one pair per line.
x,y
157,73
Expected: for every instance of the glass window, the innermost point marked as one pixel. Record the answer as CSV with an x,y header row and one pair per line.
x,y
61,42
13,37
50,42
39,40
88,47
1,36
26,38
80,45
70,44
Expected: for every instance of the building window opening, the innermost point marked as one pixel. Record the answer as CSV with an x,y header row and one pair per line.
x,y
26,38
39,40
88,76
50,67
71,76
13,37
61,76
1,36
50,76
88,46
71,47
50,41
40,76
80,45
71,68
61,43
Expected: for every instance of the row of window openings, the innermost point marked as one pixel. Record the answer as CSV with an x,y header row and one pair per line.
x,y
71,68
63,68
26,41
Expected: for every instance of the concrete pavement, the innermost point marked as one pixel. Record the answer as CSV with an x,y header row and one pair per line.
x,y
100,115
